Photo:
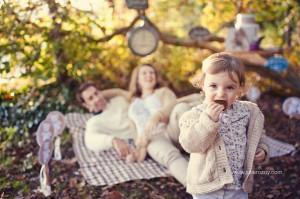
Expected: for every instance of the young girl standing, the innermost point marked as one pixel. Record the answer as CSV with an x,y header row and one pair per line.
x,y
223,134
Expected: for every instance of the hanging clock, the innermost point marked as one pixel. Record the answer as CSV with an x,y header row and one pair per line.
x,y
137,4
143,40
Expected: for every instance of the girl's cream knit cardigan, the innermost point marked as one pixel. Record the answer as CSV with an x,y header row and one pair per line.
x,y
209,168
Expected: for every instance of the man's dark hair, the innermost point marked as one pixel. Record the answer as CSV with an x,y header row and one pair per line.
x,y
82,88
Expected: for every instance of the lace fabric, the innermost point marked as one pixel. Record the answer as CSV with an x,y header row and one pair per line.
x,y
141,110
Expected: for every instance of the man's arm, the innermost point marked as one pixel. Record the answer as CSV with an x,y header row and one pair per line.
x,y
113,92
100,142
97,141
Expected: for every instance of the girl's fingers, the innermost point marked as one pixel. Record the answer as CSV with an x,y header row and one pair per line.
x,y
259,154
217,108
214,110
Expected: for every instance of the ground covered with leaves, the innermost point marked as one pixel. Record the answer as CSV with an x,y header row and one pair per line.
x,y
19,170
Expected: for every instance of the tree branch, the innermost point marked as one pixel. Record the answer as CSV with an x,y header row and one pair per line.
x,y
121,31
173,40
254,61
288,80
167,38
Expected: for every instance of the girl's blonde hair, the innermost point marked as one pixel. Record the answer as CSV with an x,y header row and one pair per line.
x,y
134,87
221,62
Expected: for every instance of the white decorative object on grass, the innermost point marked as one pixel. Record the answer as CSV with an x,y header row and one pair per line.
x,y
291,107
52,127
44,132
57,151
44,176
45,152
253,94
57,120
44,137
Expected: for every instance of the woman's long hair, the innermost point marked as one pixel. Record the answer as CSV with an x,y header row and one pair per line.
x,y
134,87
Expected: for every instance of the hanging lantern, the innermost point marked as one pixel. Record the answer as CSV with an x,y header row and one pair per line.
x,y
291,107
137,4
243,36
255,45
247,23
253,94
143,40
236,40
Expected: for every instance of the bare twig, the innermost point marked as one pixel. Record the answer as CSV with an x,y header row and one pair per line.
x,y
121,31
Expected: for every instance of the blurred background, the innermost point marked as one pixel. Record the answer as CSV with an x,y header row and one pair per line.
x,y
49,47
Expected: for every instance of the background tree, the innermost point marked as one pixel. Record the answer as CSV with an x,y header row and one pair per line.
x,y
47,47
57,42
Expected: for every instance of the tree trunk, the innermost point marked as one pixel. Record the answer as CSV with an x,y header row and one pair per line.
x,y
57,35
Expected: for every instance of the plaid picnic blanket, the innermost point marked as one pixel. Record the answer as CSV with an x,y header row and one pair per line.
x,y
278,148
106,168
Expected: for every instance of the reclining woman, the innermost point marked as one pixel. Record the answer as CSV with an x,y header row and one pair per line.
x,y
148,100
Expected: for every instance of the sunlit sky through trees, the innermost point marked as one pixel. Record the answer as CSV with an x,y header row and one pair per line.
x,y
88,5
